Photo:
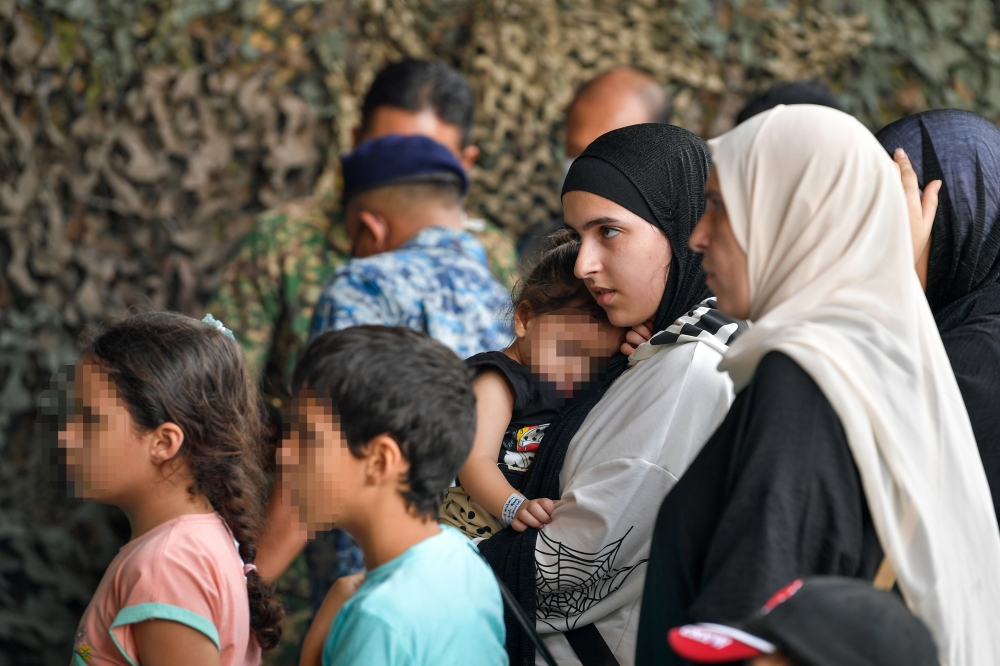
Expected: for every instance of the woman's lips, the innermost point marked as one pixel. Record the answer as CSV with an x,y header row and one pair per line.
x,y
603,296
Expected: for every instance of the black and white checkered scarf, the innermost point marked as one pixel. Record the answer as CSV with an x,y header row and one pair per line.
x,y
703,323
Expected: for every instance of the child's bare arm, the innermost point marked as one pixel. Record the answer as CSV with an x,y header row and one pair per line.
x,y
165,642
480,476
342,590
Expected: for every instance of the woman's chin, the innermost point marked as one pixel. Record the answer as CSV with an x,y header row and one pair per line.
x,y
731,308
619,319
622,318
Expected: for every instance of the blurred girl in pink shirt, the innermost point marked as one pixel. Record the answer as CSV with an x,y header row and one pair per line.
x,y
167,425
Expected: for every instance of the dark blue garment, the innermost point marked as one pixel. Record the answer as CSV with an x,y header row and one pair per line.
x,y
963,276
962,150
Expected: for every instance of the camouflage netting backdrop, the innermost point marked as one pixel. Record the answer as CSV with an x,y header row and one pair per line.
x,y
138,138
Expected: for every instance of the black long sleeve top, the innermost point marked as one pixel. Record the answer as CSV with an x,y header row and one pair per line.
x,y
773,496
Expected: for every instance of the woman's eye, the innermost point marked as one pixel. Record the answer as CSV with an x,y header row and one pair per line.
x,y
609,232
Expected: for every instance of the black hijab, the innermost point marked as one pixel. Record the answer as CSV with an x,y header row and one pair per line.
x,y
658,172
962,150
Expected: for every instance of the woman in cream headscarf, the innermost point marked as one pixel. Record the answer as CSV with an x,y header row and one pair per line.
x,y
807,235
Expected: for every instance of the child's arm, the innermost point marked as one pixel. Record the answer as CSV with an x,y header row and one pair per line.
x,y
167,643
480,476
340,592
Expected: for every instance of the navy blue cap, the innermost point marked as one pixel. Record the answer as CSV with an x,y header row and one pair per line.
x,y
395,160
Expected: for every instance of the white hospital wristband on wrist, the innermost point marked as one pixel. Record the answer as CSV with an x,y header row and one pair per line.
x,y
511,506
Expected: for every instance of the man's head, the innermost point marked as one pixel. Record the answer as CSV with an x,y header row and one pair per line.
x,y
379,415
617,98
418,97
394,186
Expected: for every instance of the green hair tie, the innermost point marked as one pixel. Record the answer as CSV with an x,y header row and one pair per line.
x,y
218,325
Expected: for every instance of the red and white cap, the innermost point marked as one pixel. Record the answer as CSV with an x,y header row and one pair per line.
x,y
708,643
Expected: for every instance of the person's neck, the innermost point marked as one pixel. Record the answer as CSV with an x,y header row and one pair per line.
x,y
420,219
515,352
388,529
160,502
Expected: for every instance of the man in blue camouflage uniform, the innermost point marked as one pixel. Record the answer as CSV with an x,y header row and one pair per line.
x,y
414,265
437,283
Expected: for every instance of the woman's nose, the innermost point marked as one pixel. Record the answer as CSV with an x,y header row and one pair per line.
x,y
699,237
587,262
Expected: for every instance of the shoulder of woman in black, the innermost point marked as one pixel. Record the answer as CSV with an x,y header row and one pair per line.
x,y
774,495
974,351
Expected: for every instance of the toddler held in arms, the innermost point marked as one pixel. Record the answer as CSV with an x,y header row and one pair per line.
x,y
563,339
162,420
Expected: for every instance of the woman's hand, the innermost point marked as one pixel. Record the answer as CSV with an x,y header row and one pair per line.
x,y
340,592
637,336
534,513
920,209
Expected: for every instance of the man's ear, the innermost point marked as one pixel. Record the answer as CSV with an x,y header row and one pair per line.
x,y
356,135
165,442
377,227
384,462
469,156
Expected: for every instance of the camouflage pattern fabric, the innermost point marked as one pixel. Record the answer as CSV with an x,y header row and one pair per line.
x,y
437,283
272,285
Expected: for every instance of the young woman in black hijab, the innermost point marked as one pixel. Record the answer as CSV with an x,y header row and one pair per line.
x,y
633,198
960,267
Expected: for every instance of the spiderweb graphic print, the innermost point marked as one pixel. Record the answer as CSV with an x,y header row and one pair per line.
x,y
575,580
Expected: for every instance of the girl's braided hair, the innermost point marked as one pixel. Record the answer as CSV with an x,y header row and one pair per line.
x,y
170,368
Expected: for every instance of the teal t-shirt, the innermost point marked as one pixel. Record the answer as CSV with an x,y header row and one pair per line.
x,y
436,604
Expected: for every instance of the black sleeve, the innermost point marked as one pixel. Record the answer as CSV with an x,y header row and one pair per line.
x,y
974,352
517,376
774,495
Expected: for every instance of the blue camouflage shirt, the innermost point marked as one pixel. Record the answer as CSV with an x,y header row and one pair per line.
x,y
438,283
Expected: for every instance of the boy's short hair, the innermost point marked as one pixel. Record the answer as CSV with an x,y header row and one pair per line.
x,y
406,196
396,381
418,85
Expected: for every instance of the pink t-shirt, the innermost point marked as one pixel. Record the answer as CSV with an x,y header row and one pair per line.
x,y
186,570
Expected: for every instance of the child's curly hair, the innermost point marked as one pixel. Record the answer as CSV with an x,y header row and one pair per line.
x,y
551,285
170,368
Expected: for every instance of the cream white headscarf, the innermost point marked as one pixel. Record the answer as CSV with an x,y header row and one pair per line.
x,y
818,207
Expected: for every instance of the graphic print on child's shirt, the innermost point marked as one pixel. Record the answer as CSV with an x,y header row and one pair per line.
x,y
536,405
519,446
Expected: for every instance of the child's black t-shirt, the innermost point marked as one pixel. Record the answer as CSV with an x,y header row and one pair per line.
x,y
536,404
